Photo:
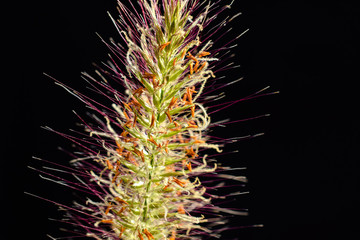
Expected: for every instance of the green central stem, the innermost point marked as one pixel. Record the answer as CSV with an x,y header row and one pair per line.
x,y
146,203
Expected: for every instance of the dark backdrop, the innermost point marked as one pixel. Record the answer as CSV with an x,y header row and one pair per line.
x,y
303,173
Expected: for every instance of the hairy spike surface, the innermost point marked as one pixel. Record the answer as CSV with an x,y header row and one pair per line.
x,y
141,160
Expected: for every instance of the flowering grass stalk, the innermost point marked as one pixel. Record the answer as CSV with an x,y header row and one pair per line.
x,y
140,162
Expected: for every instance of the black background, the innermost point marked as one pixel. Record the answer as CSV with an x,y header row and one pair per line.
x,y
303,173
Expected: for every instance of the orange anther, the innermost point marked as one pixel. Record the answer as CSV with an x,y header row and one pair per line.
x,y
168,115
134,101
140,154
108,209
192,89
192,124
173,235
140,236
121,210
166,146
172,102
188,165
138,91
118,144
203,54
132,160
189,93
128,123
115,176
137,152
179,182
127,106
122,229
119,150
148,75
163,46
107,221
190,153
202,66
155,83
109,165
126,116
183,54
152,120
190,56
117,166
196,66
191,68
174,62
121,201
134,122
148,234
181,209
166,186
132,140
192,111
124,133
151,139
185,97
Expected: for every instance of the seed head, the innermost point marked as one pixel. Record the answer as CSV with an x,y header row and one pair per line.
x,y
141,162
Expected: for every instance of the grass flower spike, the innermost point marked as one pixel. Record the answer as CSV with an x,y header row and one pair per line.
x,y
142,158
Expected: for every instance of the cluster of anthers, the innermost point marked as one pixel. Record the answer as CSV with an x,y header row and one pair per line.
x,y
147,169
